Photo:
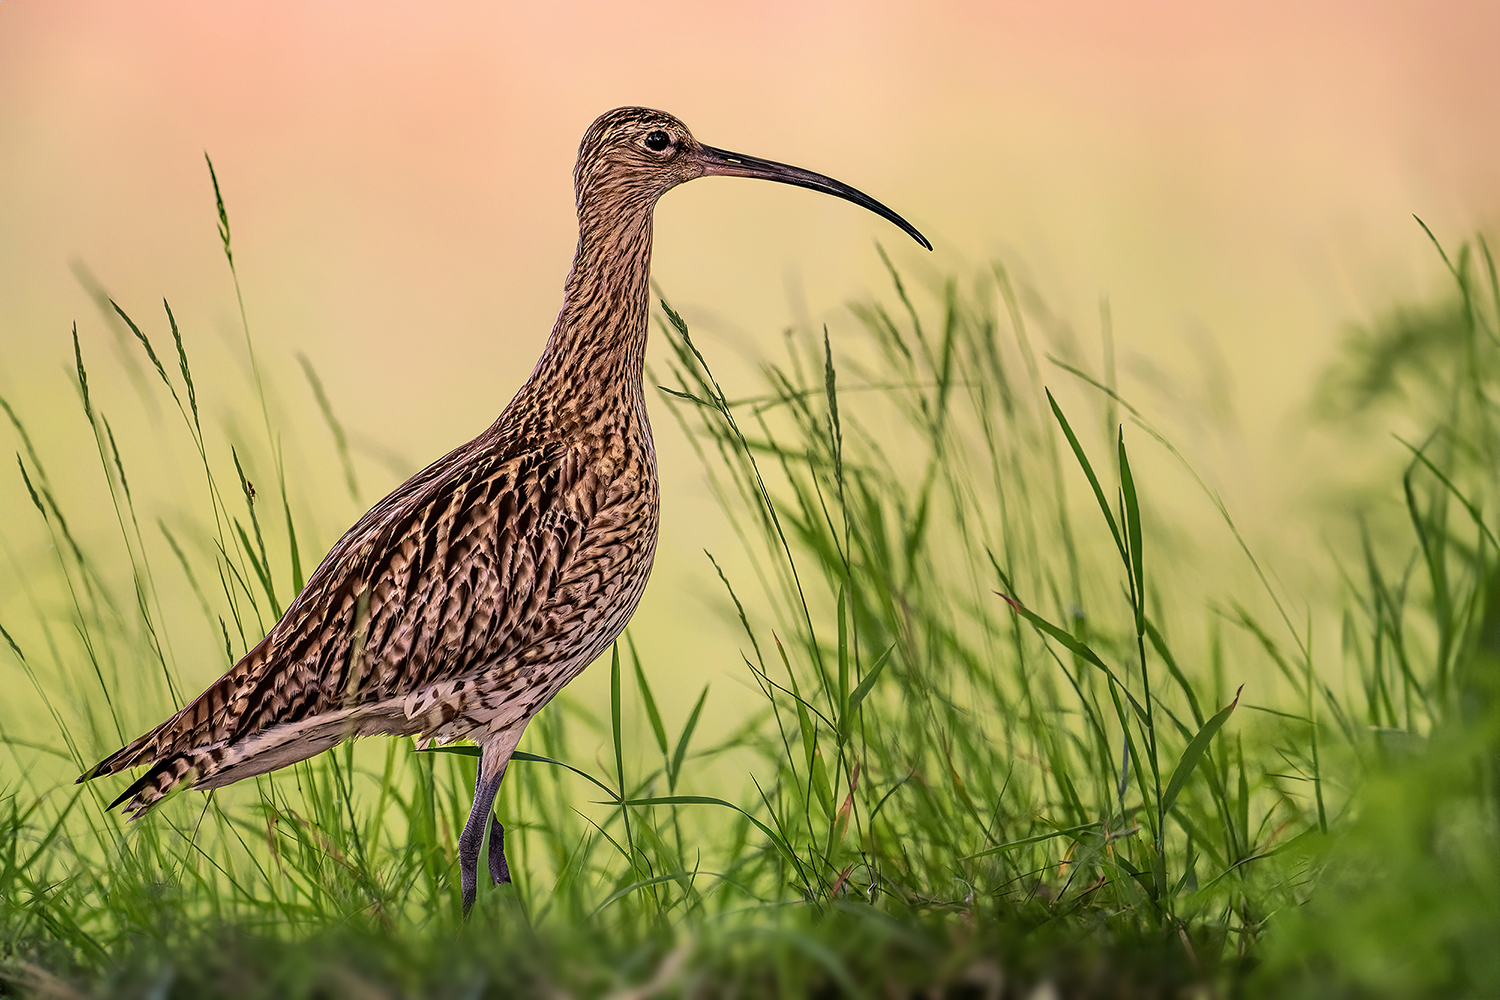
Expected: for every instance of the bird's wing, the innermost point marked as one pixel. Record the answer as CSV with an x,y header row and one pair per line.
x,y
455,569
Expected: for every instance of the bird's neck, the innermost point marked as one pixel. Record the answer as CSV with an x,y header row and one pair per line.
x,y
598,345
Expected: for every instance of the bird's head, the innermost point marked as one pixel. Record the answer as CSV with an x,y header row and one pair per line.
x,y
635,155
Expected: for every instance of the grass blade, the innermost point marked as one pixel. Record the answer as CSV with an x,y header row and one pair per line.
x,y
1088,470
1195,751
687,734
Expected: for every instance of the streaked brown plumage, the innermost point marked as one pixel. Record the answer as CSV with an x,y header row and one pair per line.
x,y
466,599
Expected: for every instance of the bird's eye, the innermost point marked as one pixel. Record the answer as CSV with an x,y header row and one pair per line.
x,y
658,141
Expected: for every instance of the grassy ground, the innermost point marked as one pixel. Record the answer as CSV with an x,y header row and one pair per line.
x,y
1005,744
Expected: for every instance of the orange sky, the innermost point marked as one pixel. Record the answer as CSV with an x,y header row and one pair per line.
x,y
399,173
399,180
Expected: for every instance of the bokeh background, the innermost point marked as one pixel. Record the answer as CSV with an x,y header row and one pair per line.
x,y
1237,180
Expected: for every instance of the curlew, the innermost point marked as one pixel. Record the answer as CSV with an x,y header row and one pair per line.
x,y
466,599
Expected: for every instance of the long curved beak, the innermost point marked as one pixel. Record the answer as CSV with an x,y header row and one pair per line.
x,y
723,163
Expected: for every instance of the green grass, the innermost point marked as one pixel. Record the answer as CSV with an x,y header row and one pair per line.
x,y
1002,737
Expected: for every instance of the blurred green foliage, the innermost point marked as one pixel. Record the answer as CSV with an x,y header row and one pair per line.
x,y
1002,742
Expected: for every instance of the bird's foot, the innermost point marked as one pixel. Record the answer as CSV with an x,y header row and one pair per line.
x,y
468,870
499,870
468,862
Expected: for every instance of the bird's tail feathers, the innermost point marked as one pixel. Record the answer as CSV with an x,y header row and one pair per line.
x,y
153,786
135,752
199,726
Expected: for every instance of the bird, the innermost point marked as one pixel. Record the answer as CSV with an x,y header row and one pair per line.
x,y
464,601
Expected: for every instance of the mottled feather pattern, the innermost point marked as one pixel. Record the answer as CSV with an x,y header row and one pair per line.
x,y
465,600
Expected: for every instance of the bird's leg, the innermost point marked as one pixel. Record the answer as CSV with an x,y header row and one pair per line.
x,y
494,755
499,869
469,841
